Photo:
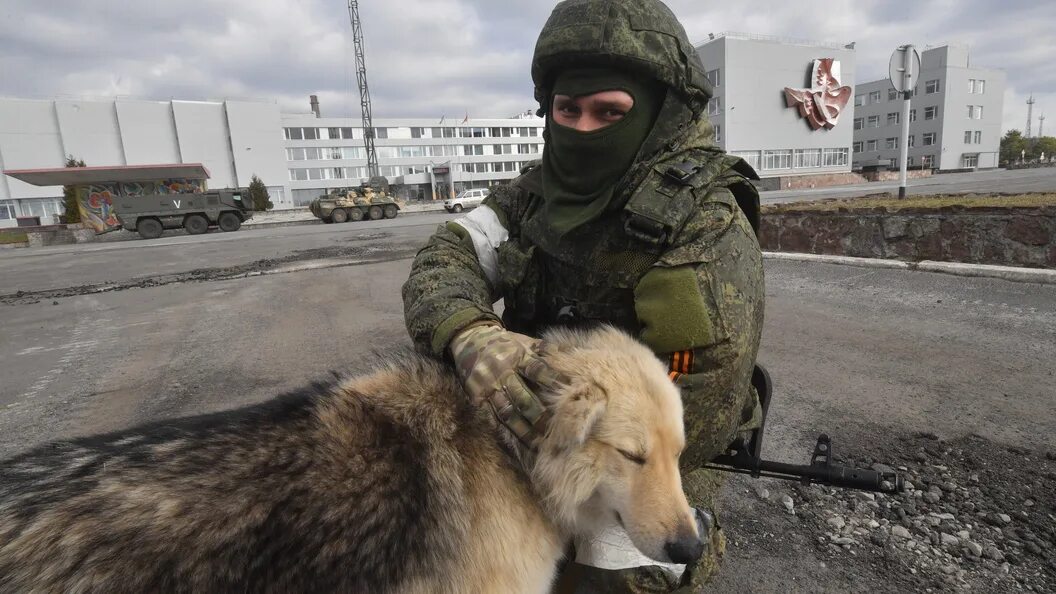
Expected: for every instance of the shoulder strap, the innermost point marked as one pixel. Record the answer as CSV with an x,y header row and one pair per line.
x,y
664,200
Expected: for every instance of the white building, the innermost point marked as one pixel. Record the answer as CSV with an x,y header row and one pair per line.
x,y
954,119
749,110
233,139
425,158
298,156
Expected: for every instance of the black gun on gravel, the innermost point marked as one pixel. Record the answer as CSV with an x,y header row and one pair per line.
x,y
745,457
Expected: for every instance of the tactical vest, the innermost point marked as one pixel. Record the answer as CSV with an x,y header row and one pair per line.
x,y
588,277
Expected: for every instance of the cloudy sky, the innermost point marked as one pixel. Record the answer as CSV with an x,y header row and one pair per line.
x,y
429,58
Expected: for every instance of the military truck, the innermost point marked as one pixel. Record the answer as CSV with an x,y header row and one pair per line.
x,y
151,214
354,204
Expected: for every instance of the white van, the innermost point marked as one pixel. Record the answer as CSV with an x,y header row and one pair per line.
x,y
466,199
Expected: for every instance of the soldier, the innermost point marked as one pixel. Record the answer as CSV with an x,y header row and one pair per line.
x,y
633,218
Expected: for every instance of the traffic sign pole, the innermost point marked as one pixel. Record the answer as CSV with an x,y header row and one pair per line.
x,y
903,71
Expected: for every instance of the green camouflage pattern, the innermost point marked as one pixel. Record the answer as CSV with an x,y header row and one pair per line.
x,y
493,364
704,222
641,35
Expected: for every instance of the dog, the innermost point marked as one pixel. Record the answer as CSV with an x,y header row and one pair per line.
x,y
386,482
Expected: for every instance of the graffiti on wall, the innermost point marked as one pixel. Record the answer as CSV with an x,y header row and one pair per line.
x,y
96,200
822,103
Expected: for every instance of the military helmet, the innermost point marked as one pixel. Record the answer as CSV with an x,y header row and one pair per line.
x,y
642,35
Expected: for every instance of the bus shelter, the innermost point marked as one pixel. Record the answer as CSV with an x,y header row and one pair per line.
x,y
96,187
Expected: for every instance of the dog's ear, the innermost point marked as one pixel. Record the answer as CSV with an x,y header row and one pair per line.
x,y
575,411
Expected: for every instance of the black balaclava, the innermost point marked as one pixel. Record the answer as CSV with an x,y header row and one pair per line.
x,y
581,169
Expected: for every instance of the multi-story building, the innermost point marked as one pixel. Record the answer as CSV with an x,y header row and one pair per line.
x,y
749,110
954,119
297,156
425,158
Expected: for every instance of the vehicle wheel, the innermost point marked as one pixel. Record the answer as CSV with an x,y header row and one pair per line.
x,y
355,215
149,228
375,213
229,221
195,224
457,208
391,211
339,215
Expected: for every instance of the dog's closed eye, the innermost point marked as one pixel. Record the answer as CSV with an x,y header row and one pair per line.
x,y
637,459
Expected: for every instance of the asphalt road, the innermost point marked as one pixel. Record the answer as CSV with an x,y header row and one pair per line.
x,y
54,267
853,352
1017,181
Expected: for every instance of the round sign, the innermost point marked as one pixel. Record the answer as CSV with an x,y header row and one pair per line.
x,y
896,65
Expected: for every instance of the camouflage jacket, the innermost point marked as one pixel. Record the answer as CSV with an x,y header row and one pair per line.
x,y
678,266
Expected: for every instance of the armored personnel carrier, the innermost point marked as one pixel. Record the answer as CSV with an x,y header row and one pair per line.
x,y
354,204
150,215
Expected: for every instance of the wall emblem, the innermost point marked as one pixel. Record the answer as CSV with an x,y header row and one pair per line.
x,y
822,103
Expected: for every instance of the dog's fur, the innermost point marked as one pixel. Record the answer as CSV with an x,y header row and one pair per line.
x,y
389,482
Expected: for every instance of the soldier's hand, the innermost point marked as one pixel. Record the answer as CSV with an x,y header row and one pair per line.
x,y
493,364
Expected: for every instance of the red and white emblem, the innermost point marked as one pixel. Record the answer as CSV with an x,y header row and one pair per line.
x,y
822,103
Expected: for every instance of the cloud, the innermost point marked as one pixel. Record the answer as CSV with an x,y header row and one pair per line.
x,y
428,58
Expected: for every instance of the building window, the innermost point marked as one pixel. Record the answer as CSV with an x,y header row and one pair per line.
x,y
311,133
978,137
411,151
891,143
930,113
718,133
449,132
473,149
912,115
715,106
859,100
874,97
7,211
713,77
859,123
929,138
874,121
927,160
893,118
892,94
807,158
417,132
976,86
857,146
381,132
751,157
970,160
835,157
975,112
911,141
779,159
870,145
967,137
932,86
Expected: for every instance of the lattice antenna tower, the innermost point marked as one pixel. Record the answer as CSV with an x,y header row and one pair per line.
x,y
1030,113
364,90
1041,125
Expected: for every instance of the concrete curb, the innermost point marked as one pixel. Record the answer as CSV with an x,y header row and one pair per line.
x,y
1043,276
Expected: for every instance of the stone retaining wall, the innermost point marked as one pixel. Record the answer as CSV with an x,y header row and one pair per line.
x,y
824,180
1003,236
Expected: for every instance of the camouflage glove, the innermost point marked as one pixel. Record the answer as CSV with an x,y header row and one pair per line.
x,y
493,364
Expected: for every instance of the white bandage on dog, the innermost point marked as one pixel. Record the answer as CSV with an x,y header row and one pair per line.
x,y
612,549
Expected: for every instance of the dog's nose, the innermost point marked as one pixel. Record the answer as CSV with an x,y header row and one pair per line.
x,y
684,550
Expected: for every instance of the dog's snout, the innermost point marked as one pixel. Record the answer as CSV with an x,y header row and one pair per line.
x,y
684,550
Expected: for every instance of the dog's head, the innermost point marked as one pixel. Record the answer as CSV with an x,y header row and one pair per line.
x,y
610,451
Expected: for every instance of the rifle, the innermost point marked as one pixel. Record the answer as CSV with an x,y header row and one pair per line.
x,y
745,457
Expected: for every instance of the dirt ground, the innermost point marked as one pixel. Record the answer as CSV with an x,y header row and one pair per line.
x,y
975,516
